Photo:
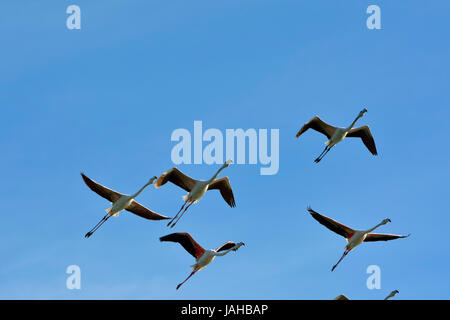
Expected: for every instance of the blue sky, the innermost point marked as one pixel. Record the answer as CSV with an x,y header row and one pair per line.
x,y
105,99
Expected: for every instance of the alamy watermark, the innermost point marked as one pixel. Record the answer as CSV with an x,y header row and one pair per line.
x,y
374,20
243,147
74,280
74,20
374,280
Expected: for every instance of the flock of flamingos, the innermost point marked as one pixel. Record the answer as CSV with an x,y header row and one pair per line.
x,y
197,188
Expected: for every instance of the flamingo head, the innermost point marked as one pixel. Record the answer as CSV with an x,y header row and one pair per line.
x,y
227,163
152,179
386,221
361,113
238,245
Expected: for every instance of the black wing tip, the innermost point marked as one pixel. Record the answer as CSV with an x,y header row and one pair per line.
x,y
232,202
159,217
165,238
85,178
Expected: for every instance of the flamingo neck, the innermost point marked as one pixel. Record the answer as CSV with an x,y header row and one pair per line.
x,y
393,293
215,176
353,123
219,254
140,190
370,230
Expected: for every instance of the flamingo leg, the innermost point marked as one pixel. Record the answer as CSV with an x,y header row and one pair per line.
x,y
177,213
345,253
97,226
324,152
318,158
179,285
181,215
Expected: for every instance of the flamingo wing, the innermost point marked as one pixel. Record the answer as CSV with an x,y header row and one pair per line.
x,y
223,184
366,137
144,212
226,246
331,224
176,177
341,297
317,124
188,243
383,237
102,191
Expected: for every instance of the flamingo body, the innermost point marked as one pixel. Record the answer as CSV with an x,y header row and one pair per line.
x,y
206,258
197,192
337,137
122,204
356,239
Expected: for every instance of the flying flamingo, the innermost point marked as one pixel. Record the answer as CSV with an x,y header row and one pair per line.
x,y
354,237
196,188
120,202
202,256
336,135
343,297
